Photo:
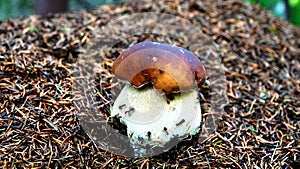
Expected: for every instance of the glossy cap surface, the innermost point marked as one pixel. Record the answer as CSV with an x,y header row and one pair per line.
x,y
168,67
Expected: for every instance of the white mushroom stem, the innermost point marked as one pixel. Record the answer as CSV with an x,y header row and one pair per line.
x,y
152,120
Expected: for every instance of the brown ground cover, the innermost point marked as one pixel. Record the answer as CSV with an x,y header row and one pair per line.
x,y
39,56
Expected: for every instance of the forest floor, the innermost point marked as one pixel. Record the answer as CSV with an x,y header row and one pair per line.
x,y
48,65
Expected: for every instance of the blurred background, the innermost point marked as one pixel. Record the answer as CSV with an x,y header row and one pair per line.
x,y
287,9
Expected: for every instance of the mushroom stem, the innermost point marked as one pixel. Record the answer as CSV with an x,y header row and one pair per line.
x,y
154,120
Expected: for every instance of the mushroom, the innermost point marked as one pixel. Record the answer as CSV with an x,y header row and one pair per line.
x,y
159,104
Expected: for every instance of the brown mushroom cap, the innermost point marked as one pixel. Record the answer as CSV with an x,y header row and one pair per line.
x,y
168,67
